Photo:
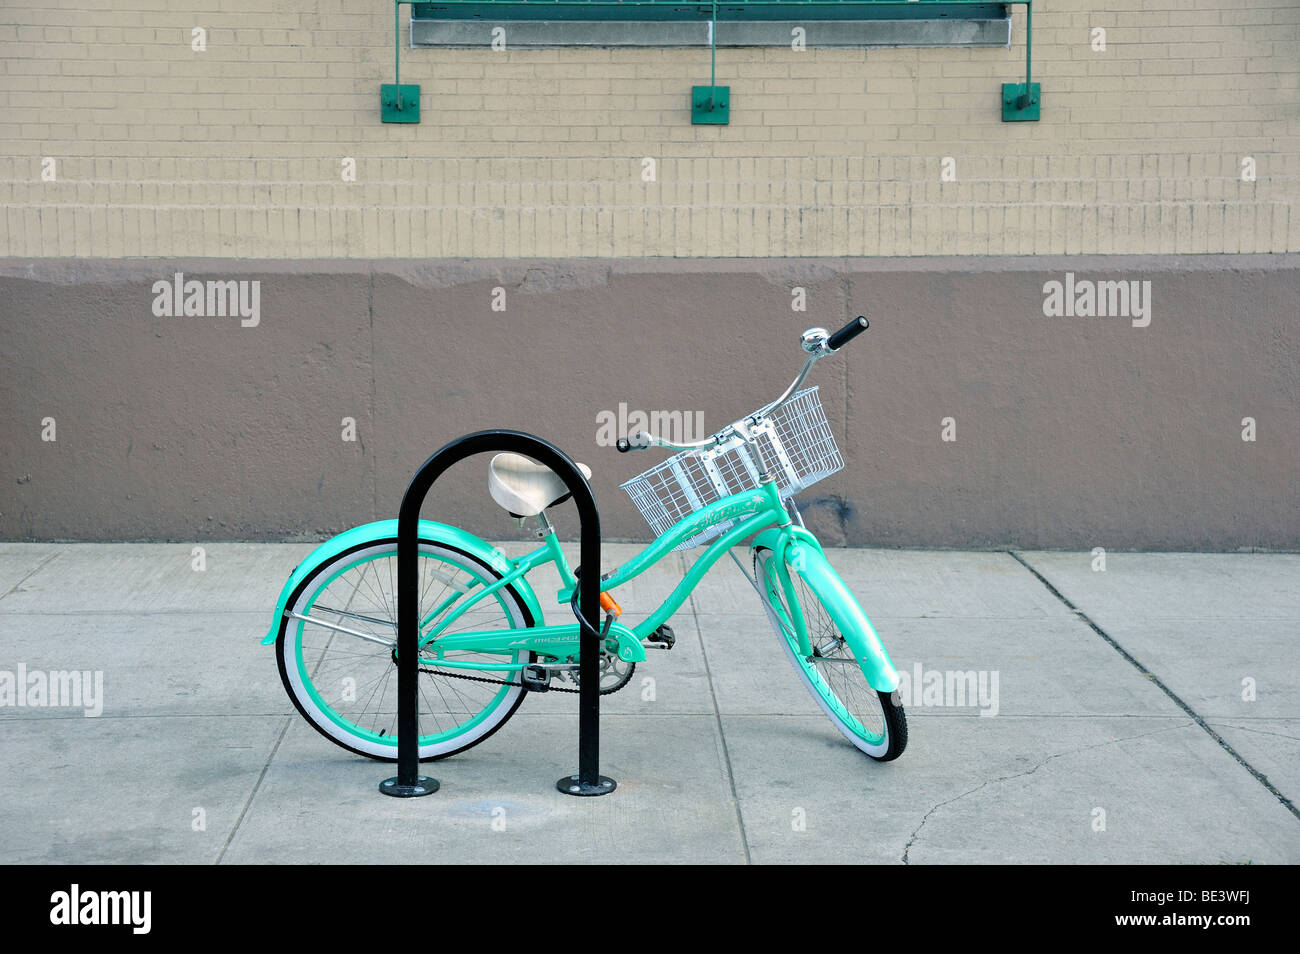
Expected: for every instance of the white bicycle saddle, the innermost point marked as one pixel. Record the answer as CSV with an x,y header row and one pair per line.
x,y
525,488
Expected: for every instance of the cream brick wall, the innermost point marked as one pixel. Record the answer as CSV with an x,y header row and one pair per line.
x,y
237,151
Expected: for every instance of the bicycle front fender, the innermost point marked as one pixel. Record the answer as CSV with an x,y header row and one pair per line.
x,y
806,557
430,532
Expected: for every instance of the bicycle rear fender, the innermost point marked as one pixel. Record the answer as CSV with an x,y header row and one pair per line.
x,y
430,532
809,560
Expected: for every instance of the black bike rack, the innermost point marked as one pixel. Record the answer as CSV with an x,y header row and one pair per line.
x,y
409,783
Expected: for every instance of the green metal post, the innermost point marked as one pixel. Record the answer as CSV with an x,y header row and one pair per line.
x,y
1029,52
1022,103
715,108
398,103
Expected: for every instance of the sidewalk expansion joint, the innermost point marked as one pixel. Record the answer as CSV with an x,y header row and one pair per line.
x,y
1157,681
722,737
288,721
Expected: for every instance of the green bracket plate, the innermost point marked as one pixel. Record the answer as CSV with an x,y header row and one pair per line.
x,y
400,104
1017,107
710,105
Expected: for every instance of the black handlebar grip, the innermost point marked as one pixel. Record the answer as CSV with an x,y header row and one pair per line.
x,y
846,334
623,445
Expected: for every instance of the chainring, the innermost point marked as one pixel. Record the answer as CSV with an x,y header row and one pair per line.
x,y
610,666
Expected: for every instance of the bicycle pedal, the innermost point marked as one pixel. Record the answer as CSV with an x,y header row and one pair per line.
x,y
536,678
662,637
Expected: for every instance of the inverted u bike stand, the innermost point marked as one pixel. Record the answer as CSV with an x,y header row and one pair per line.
x,y
409,783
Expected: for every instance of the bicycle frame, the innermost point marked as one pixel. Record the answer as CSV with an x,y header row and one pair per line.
x,y
751,511
758,511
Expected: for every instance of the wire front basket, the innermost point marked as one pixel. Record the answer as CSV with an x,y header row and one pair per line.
x,y
795,443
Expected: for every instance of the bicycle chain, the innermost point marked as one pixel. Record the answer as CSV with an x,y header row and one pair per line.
x,y
502,682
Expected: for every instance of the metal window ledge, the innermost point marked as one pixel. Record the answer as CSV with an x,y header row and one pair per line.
x,y
825,24
820,34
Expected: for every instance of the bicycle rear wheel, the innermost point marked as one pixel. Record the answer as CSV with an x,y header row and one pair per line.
x,y
873,721
345,684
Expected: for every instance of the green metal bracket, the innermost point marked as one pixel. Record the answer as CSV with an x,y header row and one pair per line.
x,y
710,105
399,103
1020,104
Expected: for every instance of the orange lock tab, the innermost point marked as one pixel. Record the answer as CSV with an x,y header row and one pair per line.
x,y
610,605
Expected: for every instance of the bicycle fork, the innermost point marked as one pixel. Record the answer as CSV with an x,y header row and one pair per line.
x,y
795,549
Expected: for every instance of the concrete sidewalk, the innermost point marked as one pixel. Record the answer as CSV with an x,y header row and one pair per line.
x,y
1101,743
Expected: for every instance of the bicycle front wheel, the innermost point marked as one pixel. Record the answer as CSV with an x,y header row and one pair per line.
x,y
873,721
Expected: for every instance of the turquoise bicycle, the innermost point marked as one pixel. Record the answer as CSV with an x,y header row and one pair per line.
x,y
484,642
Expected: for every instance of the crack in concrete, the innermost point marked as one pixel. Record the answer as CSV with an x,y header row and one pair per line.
x,y
1242,728
1007,778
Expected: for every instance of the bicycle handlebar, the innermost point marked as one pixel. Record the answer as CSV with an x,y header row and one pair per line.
x,y
846,334
644,441
816,341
